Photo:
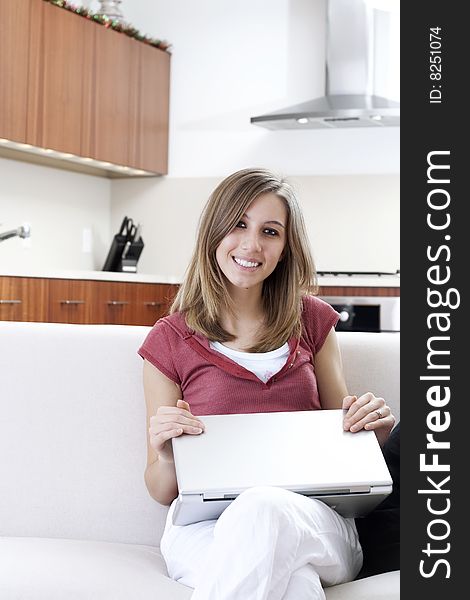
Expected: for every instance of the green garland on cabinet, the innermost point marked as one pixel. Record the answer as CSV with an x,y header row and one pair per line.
x,y
111,24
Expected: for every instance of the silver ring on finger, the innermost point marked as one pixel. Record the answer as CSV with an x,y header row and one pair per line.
x,y
379,413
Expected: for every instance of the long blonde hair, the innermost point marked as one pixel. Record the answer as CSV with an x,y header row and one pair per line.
x,y
204,290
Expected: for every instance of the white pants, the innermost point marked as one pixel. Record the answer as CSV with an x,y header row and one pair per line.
x,y
269,544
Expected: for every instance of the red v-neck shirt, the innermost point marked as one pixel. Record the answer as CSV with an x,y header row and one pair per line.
x,y
214,384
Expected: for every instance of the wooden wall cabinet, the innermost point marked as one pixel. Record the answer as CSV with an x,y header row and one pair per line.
x,y
65,73
151,145
113,108
83,301
14,68
71,85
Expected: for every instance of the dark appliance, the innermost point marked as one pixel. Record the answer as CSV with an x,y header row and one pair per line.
x,y
358,317
366,313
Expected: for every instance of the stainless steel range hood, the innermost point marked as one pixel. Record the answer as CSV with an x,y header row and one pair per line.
x,y
357,55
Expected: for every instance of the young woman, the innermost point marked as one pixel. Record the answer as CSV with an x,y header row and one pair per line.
x,y
246,335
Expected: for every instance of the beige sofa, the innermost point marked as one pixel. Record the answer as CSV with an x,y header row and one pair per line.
x,y
76,521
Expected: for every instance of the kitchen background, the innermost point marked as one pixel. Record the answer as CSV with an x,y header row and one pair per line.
x,y
230,61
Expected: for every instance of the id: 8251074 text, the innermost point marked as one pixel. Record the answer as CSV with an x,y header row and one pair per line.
x,y
435,65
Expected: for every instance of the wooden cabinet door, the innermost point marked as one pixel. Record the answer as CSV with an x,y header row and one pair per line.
x,y
70,301
152,118
67,72
151,301
115,85
23,299
35,75
14,65
112,302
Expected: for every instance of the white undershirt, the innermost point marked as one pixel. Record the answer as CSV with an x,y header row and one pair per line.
x,y
263,364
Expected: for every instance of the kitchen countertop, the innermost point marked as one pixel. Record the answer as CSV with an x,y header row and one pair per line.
x,y
359,281
94,275
323,280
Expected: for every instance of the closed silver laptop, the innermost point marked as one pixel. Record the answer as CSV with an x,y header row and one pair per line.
x,y
307,452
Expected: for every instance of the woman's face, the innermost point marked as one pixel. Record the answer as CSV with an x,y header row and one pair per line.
x,y
250,253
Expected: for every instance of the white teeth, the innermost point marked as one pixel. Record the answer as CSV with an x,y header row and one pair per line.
x,y
246,263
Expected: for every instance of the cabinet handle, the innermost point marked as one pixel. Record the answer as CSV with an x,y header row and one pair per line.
x,y
154,303
117,303
11,301
72,302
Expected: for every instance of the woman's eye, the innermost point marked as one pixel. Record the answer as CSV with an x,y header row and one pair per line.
x,y
271,232
240,224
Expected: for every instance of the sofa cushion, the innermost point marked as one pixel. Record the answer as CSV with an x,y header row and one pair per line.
x,y
55,569
385,586
371,363
73,434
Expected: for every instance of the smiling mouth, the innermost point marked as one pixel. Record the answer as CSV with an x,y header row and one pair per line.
x,y
246,264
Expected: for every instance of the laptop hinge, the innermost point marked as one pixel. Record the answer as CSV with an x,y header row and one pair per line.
x,y
358,489
208,497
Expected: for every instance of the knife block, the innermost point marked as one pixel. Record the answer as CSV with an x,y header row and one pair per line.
x,y
128,263
115,260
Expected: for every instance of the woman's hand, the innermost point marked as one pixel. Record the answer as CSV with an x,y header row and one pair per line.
x,y
368,412
170,422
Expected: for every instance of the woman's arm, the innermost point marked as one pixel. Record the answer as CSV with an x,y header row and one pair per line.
x,y
167,417
363,412
329,373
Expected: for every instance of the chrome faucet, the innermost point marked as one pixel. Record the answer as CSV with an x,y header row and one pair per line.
x,y
23,232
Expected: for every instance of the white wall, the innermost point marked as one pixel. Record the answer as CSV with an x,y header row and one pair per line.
x,y
58,205
352,221
234,60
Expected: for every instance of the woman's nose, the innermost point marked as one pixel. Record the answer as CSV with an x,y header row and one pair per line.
x,y
251,242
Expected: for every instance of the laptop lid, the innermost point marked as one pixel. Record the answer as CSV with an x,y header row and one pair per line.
x,y
302,451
